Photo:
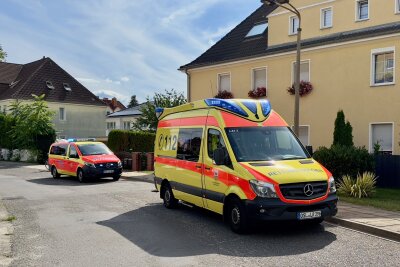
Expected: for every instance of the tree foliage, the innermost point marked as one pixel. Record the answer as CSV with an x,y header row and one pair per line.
x,y
343,133
148,120
133,102
3,54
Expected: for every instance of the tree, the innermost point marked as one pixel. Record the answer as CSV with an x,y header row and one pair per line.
x,y
343,133
133,102
33,127
148,120
3,54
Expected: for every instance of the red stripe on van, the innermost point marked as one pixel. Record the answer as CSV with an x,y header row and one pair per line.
x,y
235,121
195,121
274,120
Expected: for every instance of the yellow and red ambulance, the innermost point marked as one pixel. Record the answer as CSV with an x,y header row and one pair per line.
x,y
84,160
240,159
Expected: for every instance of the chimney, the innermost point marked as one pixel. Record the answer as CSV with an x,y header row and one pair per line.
x,y
114,103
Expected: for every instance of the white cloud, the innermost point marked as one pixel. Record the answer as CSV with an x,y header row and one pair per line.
x,y
125,79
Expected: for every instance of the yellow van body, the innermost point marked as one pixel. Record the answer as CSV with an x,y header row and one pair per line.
x,y
240,159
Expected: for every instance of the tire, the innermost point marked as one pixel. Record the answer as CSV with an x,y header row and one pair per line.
x,y
170,202
54,172
237,217
116,178
81,176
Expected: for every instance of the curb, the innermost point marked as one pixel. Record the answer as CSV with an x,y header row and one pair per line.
x,y
6,231
365,228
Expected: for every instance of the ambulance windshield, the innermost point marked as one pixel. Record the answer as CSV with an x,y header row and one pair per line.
x,y
264,144
94,149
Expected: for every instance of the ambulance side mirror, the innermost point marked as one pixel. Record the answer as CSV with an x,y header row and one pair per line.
x,y
221,156
310,150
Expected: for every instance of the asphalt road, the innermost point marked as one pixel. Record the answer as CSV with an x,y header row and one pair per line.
x,y
64,223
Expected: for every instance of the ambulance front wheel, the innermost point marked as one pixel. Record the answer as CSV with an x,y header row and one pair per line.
x,y
81,176
237,216
170,201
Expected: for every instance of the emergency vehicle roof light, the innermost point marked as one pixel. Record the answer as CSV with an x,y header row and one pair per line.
x,y
266,107
226,104
159,111
251,105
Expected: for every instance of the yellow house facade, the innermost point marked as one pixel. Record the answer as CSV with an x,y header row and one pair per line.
x,y
348,55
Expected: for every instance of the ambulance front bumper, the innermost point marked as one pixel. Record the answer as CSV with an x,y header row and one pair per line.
x,y
91,172
276,210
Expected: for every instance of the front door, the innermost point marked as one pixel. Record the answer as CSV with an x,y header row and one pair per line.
x,y
72,160
216,178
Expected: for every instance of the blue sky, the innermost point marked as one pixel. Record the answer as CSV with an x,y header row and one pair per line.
x,y
118,47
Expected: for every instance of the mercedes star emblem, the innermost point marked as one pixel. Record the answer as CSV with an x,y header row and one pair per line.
x,y
308,190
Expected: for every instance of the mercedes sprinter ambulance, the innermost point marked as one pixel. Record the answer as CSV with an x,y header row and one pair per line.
x,y
240,159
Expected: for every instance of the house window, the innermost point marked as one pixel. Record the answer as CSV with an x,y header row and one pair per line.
x,y
362,10
382,134
224,82
259,78
382,67
326,18
111,125
304,134
257,29
294,25
62,114
397,6
127,125
67,87
304,71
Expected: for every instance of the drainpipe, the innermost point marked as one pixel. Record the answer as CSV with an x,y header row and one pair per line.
x,y
188,85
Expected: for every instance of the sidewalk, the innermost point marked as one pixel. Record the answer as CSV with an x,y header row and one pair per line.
x,y
367,219
139,176
6,230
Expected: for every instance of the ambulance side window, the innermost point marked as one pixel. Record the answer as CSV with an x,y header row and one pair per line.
x,y
54,150
62,151
214,141
189,144
72,152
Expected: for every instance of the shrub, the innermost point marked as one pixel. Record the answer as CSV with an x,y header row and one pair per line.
x,y
343,133
224,95
362,186
344,160
305,88
258,92
122,140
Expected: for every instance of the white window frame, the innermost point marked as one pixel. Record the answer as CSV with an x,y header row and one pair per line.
x,y
309,69
124,124
322,26
252,76
291,30
357,13
308,131
218,80
396,6
59,114
371,146
378,51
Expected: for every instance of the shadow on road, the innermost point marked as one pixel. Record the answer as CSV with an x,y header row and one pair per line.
x,y
193,231
13,165
68,181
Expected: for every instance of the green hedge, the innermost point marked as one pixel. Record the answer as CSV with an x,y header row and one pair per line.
x,y
345,160
120,140
6,124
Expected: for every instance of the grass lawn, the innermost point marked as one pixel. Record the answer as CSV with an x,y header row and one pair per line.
x,y
384,198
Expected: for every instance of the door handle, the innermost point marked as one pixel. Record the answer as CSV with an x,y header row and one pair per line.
x,y
198,166
208,168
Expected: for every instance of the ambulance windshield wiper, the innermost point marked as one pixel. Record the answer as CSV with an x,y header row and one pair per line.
x,y
289,157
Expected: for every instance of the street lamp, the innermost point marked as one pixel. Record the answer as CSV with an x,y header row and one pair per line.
x,y
292,9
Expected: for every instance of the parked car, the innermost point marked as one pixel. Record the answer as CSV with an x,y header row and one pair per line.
x,y
240,159
84,160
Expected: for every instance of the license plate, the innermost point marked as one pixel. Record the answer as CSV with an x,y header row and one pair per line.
x,y
108,171
308,215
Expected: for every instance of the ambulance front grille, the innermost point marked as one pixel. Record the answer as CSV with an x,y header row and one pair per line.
x,y
298,190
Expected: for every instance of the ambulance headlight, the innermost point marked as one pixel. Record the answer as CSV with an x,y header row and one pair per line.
x,y
332,185
119,164
91,165
263,189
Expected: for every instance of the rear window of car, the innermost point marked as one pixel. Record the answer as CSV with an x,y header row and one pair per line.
x,y
59,150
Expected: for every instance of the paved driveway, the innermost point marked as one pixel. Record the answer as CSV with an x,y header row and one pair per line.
x,y
61,222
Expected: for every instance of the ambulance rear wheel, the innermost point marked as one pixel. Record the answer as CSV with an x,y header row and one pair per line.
x,y
54,172
170,201
237,216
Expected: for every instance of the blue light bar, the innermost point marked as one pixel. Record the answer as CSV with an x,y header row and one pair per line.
x,y
251,105
71,139
266,107
159,111
226,104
